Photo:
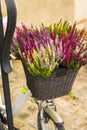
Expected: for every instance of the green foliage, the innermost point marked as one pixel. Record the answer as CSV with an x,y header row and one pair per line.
x,y
60,28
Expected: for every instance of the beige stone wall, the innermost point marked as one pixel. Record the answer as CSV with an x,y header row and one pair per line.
x,y
44,11
81,13
80,9
49,11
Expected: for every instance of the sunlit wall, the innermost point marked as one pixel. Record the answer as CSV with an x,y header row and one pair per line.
x,y
49,11
44,11
80,9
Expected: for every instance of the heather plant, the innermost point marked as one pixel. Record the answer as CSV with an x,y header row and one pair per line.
x,y
74,48
44,49
60,28
37,49
74,43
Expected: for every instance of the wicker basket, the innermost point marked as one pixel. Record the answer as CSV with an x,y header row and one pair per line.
x,y
58,84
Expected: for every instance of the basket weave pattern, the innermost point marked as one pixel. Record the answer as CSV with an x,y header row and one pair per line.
x,y
58,84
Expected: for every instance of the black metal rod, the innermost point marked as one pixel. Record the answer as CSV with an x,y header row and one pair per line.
x,y
5,42
11,22
7,99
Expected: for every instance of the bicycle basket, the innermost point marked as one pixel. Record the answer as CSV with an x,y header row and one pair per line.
x,y
58,84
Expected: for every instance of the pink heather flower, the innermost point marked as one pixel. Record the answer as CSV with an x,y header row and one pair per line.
x,y
45,48
69,43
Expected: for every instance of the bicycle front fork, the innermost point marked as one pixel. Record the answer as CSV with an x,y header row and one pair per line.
x,y
46,112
